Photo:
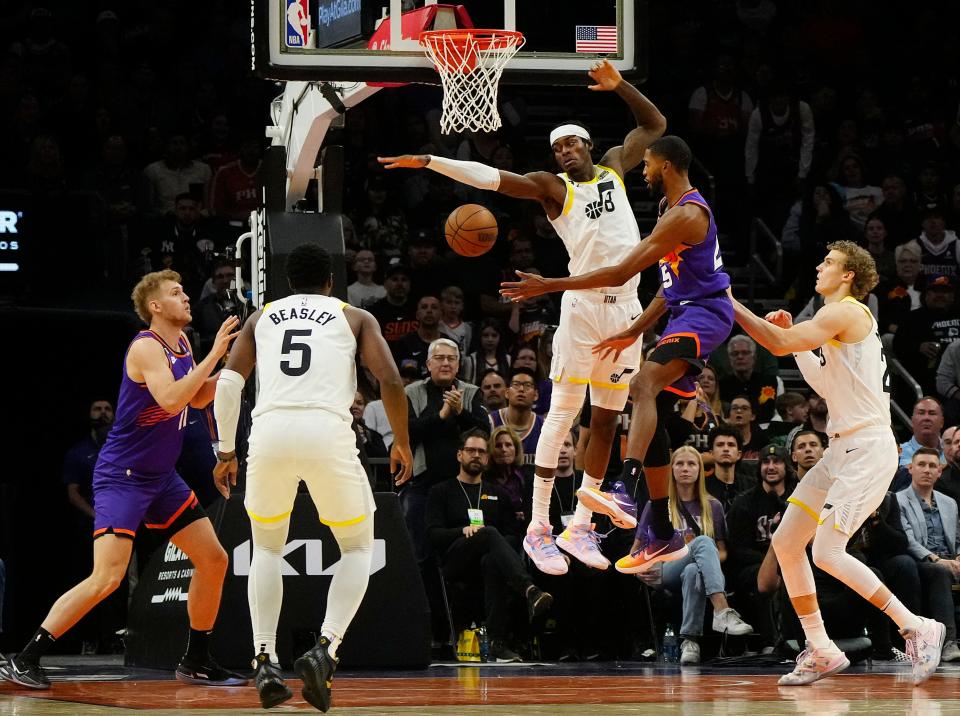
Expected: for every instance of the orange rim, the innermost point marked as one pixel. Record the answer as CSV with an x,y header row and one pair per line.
x,y
458,38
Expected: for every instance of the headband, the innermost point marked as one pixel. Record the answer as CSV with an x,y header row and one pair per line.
x,y
567,130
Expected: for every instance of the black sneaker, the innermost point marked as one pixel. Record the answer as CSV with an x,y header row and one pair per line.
x,y
500,653
316,668
24,673
538,602
269,682
209,673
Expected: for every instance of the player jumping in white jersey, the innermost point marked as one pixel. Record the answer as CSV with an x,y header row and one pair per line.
x,y
590,211
305,348
840,355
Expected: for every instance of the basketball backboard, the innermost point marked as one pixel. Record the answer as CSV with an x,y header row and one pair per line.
x,y
355,40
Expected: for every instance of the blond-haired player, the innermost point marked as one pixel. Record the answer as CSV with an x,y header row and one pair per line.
x,y
840,355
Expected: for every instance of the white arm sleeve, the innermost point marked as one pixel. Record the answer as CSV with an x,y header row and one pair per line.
x,y
226,408
473,174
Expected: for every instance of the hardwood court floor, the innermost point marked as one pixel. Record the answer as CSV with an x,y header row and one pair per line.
x,y
613,688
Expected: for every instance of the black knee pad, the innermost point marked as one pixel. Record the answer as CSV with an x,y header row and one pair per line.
x,y
658,454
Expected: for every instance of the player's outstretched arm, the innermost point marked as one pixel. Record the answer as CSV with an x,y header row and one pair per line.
x,y
147,362
540,186
651,124
619,342
686,223
376,355
827,324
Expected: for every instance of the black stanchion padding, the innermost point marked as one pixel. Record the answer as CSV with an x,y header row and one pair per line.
x,y
391,628
286,230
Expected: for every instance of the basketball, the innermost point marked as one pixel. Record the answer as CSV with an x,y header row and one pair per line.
x,y
471,230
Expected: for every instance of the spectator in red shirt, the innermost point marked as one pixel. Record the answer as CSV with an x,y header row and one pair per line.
x,y
235,191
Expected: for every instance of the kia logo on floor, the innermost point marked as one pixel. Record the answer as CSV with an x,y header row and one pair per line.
x,y
313,553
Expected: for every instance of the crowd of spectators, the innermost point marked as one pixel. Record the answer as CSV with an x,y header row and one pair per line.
x,y
803,117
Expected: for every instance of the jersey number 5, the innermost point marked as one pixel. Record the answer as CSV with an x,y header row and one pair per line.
x,y
666,279
289,346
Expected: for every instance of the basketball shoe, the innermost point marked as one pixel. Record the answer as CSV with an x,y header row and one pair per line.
x,y
815,664
208,673
316,668
652,550
615,504
542,550
269,682
924,645
582,542
25,673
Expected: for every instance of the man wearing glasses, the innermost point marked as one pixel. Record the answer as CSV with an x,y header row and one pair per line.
x,y
519,415
742,417
440,409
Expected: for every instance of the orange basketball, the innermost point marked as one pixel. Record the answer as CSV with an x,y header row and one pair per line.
x,y
471,230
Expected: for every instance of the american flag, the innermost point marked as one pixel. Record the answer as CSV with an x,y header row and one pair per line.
x,y
596,38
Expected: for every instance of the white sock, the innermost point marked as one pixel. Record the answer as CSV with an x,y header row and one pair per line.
x,y
265,588
814,630
542,490
904,618
334,643
583,514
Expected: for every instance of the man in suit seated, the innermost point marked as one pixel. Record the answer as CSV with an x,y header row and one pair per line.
x,y
930,521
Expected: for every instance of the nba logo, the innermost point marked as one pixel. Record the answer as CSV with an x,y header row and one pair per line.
x,y
298,23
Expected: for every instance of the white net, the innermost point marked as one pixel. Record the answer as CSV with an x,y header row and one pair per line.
x,y
470,63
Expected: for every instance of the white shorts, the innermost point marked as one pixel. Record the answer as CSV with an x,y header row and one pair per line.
x,y
849,482
316,446
586,318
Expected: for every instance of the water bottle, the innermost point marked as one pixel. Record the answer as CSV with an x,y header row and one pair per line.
x,y
671,647
484,643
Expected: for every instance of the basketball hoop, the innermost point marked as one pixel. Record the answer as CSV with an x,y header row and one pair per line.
x,y
470,63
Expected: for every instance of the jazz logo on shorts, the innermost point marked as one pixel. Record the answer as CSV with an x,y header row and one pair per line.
x,y
298,23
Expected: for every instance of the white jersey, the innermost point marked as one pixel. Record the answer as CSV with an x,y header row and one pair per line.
x,y
852,378
305,355
597,224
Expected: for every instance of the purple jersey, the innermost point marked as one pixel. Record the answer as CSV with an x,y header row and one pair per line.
x,y
145,439
528,440
692,272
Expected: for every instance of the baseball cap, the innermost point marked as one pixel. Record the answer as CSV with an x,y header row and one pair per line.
x,y
940,282
421,237
409,369
774,450
396,267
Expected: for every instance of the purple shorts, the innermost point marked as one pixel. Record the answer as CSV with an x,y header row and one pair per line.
x,y
694,330
122,500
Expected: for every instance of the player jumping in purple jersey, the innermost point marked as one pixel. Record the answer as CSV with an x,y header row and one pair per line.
x,y
135,481
693,291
